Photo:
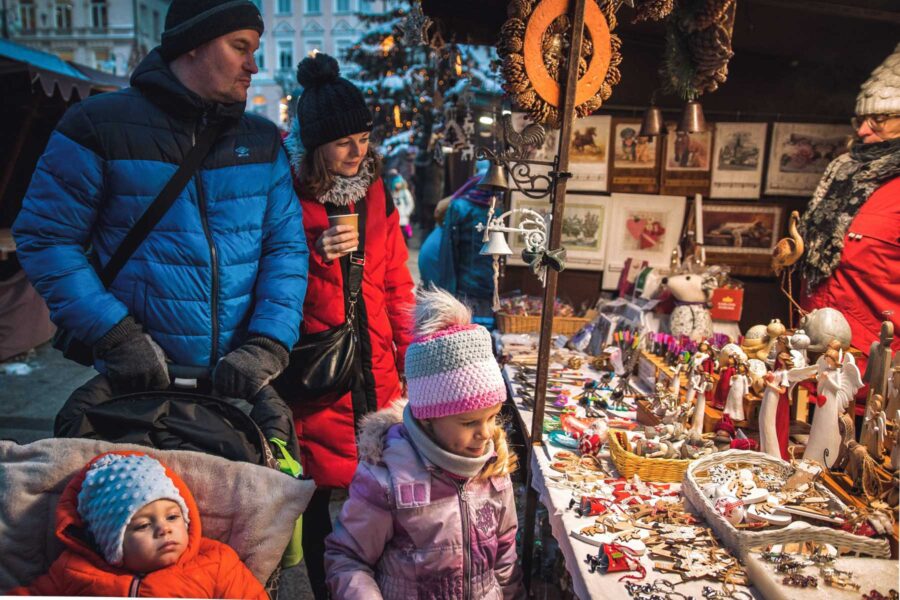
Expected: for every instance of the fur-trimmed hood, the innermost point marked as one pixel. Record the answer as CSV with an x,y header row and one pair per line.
x,y
374,427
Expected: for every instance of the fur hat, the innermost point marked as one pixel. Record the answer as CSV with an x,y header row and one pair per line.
x,y
880,94
450,365
192,23
330,107
115,487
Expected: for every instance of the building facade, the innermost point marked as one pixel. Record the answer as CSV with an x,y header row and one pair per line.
x,y
293,29
109,35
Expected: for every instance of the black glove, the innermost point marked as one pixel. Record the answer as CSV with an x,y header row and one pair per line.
x,y
134,362
243,372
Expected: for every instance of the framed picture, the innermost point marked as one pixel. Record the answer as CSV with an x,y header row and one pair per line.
x,y
737,160
634,160
642,227
584,229
588,154
742,235
687,161
799,153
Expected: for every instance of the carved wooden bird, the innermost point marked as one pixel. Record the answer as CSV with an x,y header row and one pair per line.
x,y
788,250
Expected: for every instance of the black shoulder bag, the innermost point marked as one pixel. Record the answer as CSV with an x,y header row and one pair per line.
x,y
64,340
328,362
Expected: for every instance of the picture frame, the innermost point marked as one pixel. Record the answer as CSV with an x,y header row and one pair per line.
x,y
799,153
643,227
742,235
737,160
687,158
589,154
634,160
584,230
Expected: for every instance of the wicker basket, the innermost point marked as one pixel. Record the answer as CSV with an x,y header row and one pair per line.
x,y
507,323
741,541
660,470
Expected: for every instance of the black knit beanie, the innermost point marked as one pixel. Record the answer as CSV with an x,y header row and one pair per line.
x,y
192,23
330,107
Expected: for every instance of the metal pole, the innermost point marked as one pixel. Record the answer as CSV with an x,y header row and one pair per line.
x,y
558,198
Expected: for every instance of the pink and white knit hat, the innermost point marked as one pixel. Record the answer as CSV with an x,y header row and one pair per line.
x,y
450,368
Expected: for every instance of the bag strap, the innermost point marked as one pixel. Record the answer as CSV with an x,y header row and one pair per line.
x,y
357,263
163,202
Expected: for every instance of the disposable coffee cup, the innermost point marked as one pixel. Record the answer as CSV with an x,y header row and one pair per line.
x,y
351,220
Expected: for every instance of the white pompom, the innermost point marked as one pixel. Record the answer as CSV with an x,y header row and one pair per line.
x,y
437,309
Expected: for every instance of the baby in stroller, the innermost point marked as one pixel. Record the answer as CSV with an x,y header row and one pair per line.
x,y
131,527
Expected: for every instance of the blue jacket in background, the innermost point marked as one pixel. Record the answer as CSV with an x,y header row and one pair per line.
x,y
227,261
463,271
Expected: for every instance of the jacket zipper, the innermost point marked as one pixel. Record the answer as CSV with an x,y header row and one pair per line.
x,y
213,256
135,587
467,549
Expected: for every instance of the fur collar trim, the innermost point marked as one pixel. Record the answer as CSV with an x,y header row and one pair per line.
x,y
372,429
345,190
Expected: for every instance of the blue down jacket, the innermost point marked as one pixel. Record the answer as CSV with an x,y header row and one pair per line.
x,y
229,259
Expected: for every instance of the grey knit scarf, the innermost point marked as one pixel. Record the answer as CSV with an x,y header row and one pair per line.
x,y
846,185
345,190
452,463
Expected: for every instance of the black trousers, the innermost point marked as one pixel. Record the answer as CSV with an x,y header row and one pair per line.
x,y
316,527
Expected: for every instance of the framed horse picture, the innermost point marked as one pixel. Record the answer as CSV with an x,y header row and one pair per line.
x,y
686,163
589,154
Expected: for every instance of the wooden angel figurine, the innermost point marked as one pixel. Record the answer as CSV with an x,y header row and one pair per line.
x,y
776,384
893,389
874,427
700,369
838,380
738,389
895,451
726,373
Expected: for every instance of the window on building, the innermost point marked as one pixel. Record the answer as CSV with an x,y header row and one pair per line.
x,y
313,6
66,54
260,55
63,15
286,55
340,48
157,32
143,24
314,45
26,15
101,60
341,6
285,7
99,14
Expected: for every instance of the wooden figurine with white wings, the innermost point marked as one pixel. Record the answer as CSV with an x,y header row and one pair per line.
x,y
838,381
774,410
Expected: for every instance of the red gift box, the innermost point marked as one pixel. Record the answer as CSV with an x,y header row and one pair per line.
x,y
727,304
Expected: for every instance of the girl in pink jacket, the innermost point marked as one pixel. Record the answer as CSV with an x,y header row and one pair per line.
x,y
431,511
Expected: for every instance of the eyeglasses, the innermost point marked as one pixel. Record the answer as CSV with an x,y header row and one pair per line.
x,y
875,122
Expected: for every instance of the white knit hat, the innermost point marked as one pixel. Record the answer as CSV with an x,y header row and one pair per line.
x,y
116,487
880,94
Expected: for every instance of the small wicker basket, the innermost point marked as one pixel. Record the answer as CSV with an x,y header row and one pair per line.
x,y
741,541
508,323
660,470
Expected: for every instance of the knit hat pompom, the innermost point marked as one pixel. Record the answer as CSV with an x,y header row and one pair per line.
x,y
450,365
317,70
437,309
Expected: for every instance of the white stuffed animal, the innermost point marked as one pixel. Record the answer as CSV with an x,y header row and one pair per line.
x,y
691,316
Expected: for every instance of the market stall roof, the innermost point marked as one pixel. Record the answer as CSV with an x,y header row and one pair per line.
x,y
101,81
52,72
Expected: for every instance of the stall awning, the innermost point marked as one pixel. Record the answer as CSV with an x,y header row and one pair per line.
x,y
52,72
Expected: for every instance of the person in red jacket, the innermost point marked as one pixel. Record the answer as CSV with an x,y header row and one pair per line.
x,y
131,528
852,226
337,172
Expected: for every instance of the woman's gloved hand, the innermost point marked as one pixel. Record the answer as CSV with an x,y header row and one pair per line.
x,y
134,362
243,372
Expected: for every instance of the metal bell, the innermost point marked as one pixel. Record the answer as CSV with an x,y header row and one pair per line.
x,y
496,245
652,124
692,119
495,178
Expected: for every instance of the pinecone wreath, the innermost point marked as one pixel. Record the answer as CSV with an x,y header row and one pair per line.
x,y
698,46
532,73
652,10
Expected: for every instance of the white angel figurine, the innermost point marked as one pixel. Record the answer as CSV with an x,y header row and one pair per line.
x,y
873,428
740,387
778,383
838,380
701,368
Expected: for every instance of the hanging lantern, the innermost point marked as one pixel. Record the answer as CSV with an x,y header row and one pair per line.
x,y
458,63
398,121
387,44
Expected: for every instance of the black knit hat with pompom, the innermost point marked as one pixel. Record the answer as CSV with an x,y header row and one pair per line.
x,y
330,107
192,23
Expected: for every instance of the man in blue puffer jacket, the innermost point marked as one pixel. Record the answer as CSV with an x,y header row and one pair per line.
x,y
219,282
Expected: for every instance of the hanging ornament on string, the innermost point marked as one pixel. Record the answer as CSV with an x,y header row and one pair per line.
x,y
415,26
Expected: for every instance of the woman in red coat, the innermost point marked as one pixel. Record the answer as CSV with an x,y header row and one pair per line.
x,y
337,172
852,227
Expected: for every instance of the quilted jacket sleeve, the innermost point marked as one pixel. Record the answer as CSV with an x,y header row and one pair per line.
x,y
284,264
50,583
234,579
54,227
398,286
506,569
363,529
